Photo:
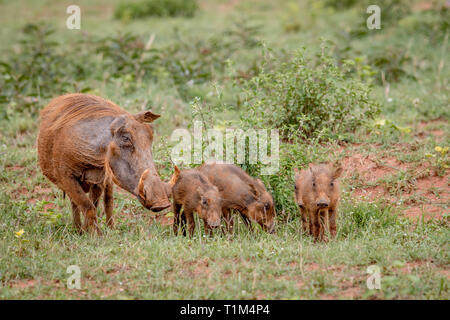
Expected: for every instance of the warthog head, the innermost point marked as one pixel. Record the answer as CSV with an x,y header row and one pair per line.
x,y
129,159
210,208
262,210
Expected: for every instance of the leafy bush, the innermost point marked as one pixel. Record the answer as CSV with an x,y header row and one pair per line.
x,y
433,23
307,98
390,63
195,62
340,4
159,8
127,54
39,69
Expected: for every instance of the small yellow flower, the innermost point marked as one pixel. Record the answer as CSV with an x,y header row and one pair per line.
x,y
441,150
429,155
20,233
380,122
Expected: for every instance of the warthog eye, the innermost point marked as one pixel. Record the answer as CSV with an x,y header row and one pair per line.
x,y
295,187
266,206
331,184
204,202
125,141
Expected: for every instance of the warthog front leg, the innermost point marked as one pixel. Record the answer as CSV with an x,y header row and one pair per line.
x,y
229,221
316,227
324,224
177,219
208,229
108,200
333,214
305,221
76,217
190,221
247,222
77,195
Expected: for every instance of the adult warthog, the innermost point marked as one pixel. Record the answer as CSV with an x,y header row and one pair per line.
x,y
86,143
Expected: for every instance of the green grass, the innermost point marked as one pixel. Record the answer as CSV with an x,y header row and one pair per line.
x,y
142,258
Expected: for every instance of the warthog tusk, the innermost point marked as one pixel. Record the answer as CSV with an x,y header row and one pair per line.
x,y
141,189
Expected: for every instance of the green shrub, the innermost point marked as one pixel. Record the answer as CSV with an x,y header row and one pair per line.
x,y
307,98
38,69
192,62
158,8
340,4
127,54
390,63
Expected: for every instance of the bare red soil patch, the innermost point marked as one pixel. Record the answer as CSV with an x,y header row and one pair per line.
x,y
365,167
15,168
427,195
423,130
29,283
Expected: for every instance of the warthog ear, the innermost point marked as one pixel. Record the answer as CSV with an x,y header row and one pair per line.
x,y
175,176
337,170
146,116
117,124
259,181
254,191
201,192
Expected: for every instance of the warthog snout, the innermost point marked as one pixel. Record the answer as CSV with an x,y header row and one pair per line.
x,y
152,192
213,223
270,228
322,204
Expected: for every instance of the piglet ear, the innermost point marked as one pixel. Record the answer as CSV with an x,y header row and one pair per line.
x,y
175,176
201,191
337,170
296,171
261,184
146,116
254,191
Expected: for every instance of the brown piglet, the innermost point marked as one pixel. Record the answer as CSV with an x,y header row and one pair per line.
x,y
317,195
243,193
192,191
